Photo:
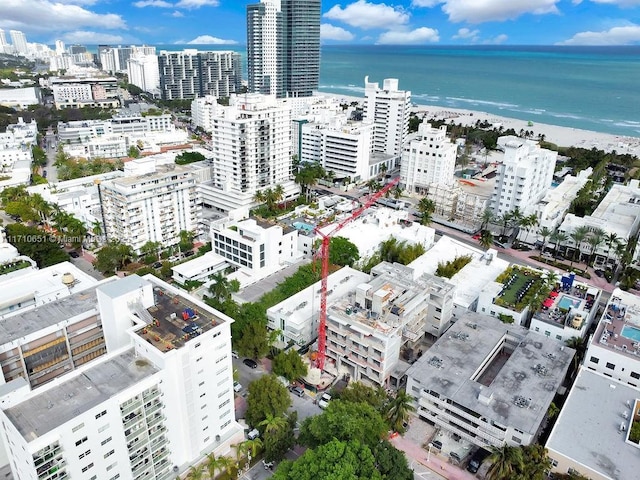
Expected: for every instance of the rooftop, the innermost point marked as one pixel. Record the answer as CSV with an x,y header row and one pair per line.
x,y
568,305
588,430
173,319
619,327
519,392
70,397
520,285
50,314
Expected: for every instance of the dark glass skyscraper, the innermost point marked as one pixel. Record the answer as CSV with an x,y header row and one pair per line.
x,y
283,47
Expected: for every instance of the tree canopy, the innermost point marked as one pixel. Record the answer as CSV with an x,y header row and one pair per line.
x,y
43,248
289,365
267,396
343,252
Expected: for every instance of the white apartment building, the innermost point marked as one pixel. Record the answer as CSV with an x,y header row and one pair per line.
x,y
618,213
150,208
75,91
254,245
591,434
388,108
614,349
465,386
524,176
19,42
340,145
471,279
568,311
16,154
79,131
29,288
263,21
458,204
143,72
62,61
251,146
551,210
367,329
429,157
298,317
4,45
146,411
19,98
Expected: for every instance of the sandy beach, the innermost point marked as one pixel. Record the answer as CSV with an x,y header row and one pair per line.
x,y
561,136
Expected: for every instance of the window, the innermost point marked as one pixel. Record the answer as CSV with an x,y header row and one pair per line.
x,y
635,375
87,467
77,427
109,453
81,441
516,439
554,463
594,360
101,414
610,366
82,455
103,428
105,441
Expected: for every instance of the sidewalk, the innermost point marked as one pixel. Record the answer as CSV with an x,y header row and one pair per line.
x,y
436,464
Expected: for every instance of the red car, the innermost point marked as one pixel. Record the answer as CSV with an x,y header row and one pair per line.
x,y
476,236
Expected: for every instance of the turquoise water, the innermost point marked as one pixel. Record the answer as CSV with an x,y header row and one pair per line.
x,y
566,303
302,226
631,333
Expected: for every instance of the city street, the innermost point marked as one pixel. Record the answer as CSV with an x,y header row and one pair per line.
x,y
50,148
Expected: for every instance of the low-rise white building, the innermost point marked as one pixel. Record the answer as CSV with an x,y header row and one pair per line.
x,y
428,158
461,203
298,316
614,349
568,311
199,269
488,382
15,153
20,98
618,213
483,267
591,434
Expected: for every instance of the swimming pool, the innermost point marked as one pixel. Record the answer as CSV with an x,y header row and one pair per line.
x,y
632,333
303,226
566,303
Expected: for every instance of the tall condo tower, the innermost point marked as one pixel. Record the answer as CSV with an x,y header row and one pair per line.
x,y
283,47
19,42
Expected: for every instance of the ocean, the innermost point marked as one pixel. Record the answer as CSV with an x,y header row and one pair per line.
x,y
591,88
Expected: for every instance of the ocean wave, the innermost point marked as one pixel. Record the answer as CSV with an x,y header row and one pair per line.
x,y
349,88
627,124
474,101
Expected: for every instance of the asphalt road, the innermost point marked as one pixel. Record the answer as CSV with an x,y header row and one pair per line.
x,y
51,146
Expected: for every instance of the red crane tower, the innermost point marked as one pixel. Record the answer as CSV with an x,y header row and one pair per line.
x,y
323,253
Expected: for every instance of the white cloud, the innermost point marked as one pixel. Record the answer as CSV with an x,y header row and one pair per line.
x,y
35,16
153,3
466,34
197,3
91,37
425,3
365,15
621,3
497,40
417,36
177,14
478,11
331,32
626,35
209,40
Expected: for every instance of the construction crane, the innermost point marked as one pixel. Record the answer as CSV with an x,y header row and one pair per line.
x,y
323,253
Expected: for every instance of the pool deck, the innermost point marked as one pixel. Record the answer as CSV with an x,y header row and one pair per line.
x,y
609,332
555,314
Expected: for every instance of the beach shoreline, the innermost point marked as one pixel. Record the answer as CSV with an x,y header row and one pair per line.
x,y
559,135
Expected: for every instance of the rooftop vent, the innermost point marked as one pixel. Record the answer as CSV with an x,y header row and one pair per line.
x,y
472,325
541,370
68,279
435,362
522,402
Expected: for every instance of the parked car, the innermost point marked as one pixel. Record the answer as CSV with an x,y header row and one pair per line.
x,y
234,354
324,400
437,444
297,390
157,265
253,434
189,253
249,362
267,465
237,387
476,460
74,254
455,456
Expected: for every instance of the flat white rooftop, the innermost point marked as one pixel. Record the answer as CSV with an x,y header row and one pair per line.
x,y
588,427
199,264
77,393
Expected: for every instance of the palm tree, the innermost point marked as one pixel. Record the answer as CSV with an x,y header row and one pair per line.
x,y
196,473
597,237
544,232
398,411
273,423
220,288
529,222
397,192
373,185
227,465
259,197
505,461
578,236
578,345
552,411
611,239
558,237
213,465
486,239
278,193
383,170
487,217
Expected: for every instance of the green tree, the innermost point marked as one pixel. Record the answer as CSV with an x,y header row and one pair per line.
x,y
598,236
578,236
358,392
399,410
486,239
196,473
335,460
254,342
486,218
34,243
558,237
39,156
186,240
544,232
267,396
150,250
213,465
391,462
22,210
113,256
342,252
426,207
506,461
278,436
289,365
133,152
345,421
220,289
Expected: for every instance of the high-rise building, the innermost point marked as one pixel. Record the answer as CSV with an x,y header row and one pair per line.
x,y
74,49
429,158
193,74
388,108
283,47
19,42
143,72
3,42
59,47
524,176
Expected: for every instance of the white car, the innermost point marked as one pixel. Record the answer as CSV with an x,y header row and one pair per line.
x,y
237,387
324,400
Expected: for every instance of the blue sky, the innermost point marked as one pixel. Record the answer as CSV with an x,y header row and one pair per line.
x,y
422,22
